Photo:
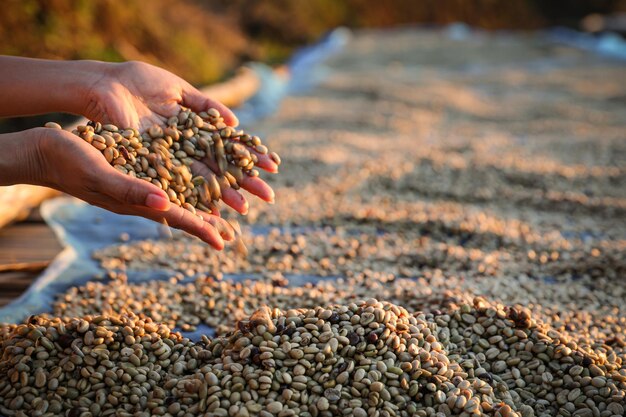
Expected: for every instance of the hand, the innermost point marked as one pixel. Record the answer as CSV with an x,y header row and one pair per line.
x,y
135,94
65,162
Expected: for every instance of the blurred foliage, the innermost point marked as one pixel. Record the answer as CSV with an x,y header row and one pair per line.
x,y
180,36
282,24
202,40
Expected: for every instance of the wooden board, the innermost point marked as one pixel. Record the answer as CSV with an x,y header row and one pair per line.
x,y
27,242
25,249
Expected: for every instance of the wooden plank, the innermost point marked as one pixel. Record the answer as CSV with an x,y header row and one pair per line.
x,y
13,284
4,300
16,279
24,266
27,242
25,249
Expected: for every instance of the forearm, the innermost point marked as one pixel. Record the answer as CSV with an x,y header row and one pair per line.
x,y
21,157
35,86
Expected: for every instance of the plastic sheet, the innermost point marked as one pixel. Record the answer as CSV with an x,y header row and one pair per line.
x,y
607,44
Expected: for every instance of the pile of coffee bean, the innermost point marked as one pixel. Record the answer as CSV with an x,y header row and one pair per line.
x,y
164,155
95,365
360,358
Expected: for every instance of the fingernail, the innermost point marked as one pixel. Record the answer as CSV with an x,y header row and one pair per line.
x,y
157,202
246,207
271,199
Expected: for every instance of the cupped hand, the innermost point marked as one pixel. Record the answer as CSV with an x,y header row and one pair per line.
x,y
136,94
69,164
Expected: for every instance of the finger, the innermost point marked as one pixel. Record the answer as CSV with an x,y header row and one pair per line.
x,y
133,191
235,200
198,102
202,169
222,226
230,196
202,166
258,187
185,220
176,217
265,162
215,211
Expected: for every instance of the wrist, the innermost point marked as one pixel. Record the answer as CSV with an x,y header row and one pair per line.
x,y
22,158
37,86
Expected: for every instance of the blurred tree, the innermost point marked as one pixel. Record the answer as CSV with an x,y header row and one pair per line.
x,y
181,36
203,39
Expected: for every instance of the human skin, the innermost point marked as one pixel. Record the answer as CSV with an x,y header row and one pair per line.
x,y
130,94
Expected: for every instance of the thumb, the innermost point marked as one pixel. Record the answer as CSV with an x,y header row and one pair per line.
x,y
198,102
136,192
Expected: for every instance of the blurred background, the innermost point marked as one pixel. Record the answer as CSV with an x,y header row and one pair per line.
x,y
203,40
